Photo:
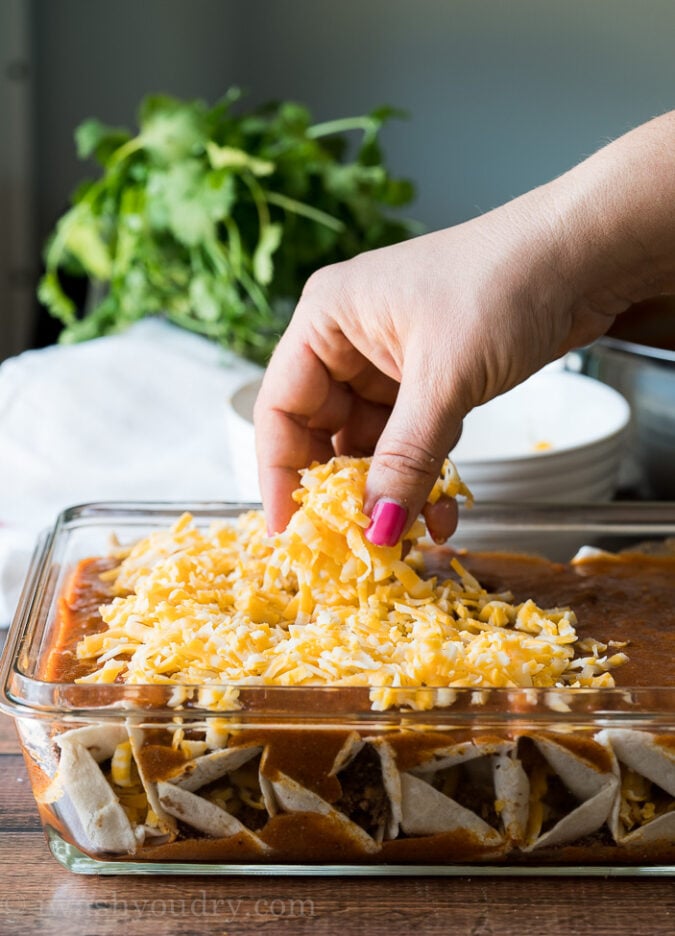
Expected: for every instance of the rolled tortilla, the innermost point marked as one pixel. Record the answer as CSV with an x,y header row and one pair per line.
x,y
489,761
453,755
291,797
203,815
347,752
512,794
267,791
650,756
167,822
646,753
427,811
102,817
99,739
590,780
209,767
389,777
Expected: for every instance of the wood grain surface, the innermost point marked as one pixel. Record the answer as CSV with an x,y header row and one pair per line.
x,y
38,896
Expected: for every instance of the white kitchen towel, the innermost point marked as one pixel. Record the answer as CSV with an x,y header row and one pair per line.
x,y
135,416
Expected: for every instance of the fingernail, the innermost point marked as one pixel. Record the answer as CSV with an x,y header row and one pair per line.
x,y
386,523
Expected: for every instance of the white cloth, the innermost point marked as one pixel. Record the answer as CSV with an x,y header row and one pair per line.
x,y
136,416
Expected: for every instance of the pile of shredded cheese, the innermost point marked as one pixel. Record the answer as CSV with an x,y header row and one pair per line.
x,y
320,605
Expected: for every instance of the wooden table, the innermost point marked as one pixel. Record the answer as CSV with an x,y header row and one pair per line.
x,y
38,896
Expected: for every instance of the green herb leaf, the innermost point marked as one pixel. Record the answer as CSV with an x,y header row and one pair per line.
x,y
171,129
215,218
52,295
263,267
231,157
80,233
94,138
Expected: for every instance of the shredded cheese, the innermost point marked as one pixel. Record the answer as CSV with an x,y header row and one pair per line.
x,y
320,605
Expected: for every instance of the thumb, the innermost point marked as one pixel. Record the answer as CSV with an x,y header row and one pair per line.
x,y
420,432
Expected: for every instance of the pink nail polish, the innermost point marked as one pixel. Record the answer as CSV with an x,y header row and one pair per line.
x,y
386,523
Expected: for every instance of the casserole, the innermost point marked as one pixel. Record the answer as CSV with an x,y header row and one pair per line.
x,y
154,778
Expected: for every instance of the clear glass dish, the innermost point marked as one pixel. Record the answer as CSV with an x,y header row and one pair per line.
x,y
323,784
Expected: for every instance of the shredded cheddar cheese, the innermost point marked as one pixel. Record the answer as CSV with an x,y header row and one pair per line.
x,y
320,605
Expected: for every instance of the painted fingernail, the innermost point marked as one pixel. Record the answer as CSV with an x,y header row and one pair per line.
x,y
386,523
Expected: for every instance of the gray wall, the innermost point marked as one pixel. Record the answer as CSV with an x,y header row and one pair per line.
x,y
503,94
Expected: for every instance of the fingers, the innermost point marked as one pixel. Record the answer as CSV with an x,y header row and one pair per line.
x,y
278,480
407,461
441,518
294,388
363,428
306,412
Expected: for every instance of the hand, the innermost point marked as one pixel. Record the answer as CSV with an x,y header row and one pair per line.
x,y
387,353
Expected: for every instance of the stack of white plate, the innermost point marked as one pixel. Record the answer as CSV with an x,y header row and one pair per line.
x,y
557,437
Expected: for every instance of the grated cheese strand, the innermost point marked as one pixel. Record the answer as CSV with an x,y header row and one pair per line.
x,y
320,605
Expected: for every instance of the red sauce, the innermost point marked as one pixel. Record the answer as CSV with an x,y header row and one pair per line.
x,y
628,598
77,616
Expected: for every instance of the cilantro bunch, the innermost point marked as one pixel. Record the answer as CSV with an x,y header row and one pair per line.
x,y
215,219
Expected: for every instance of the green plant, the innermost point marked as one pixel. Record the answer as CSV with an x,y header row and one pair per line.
x,y
215,218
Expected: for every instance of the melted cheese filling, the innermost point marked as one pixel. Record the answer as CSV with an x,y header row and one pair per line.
x,y
320,605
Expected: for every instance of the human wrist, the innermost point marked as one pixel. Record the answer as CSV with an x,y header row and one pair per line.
x,y
615,219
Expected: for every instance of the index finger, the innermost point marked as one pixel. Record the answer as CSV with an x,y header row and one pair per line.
x,y
296,386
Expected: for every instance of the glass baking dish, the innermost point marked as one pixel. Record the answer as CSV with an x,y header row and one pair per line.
x,y
320,781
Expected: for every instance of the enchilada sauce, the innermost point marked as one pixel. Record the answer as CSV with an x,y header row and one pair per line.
x,y
620,600
623,599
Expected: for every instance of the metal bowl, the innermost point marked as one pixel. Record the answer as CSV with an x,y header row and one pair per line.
x,y
637,358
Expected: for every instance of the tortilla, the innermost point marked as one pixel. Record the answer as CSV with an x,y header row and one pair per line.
x,y
291,797
209,767
644,753
592,786
641,816
461,753
539,790
512,790
371,786
267,791
98,809
347,752
457,787
427,811
391,779
165,820
204,816
99,739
